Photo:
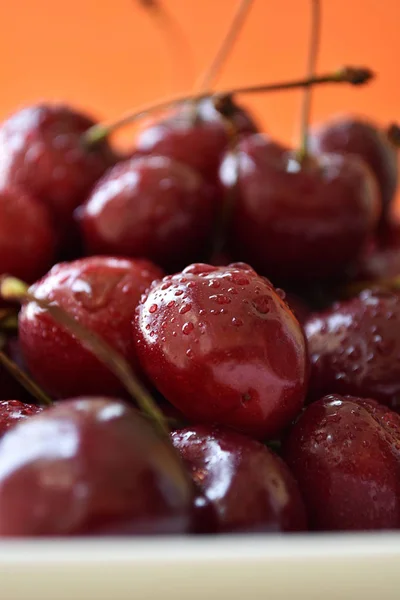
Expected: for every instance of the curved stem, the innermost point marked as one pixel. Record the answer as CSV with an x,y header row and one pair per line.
x,y
208,78
26,382
351,75
14,289
311,65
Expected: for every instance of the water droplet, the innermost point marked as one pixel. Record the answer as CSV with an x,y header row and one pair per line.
x,y
280,293
153,308
232,290
202,312
187,328
237,322
171,303
178,292
166,285
220,299
189,353
240,279
261,304
184,309
214,283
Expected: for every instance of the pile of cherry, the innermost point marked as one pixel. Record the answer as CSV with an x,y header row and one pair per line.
x,y
281,406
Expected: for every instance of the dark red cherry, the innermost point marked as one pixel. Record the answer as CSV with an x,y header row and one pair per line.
x,y
101,293
358,136
151,207
222,346
195,136
297,219
345,455
42,151
27,237
15,411
354,347
90,466
249,487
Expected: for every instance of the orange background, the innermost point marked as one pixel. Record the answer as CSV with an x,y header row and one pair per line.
x,y
108,56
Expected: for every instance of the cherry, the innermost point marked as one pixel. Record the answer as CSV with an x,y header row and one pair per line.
x,y
299,219
250,488
90,466
151,207
345,455
360,137
27,238
354,347
222,346
42,150
99,292
14,411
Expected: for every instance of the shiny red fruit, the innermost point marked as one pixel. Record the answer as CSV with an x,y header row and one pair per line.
x,y
27,236
249,487
101,293
354,347
299,220
42,151
345,455
90,466
222,346
353,135
15,411
151,207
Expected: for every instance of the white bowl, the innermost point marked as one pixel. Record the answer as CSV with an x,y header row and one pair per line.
x,y
298,567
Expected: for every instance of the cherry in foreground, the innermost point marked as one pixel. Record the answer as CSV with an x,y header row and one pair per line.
x,y
101,293
90,466
222,346
249,487
345,455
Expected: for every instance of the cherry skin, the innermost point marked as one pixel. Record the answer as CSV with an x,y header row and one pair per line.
x,y
249,487
90,466
360,137
151,207
222,346
345,455
27,236
42,151
298,219
99,292
15,411
354,347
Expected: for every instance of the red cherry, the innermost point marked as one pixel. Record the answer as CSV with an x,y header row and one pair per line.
x,y
14,411
42,151
27,238
250,488
354,135
222,346
101,293
90,465
355,347
299,220
151,207
345,455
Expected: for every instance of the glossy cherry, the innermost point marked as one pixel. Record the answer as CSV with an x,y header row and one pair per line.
x,y
90,466
41,150
222,346
354,347
298,218
249,487
27,236
345,455
151,207
101,293
15,411
348,134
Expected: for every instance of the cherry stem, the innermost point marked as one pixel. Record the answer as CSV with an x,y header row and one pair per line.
x,y
351,75
311,65
26,382
14,289
208,78
176,42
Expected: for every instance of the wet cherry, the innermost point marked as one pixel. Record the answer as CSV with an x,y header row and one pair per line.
x,y
15,411
222,346
151,207
90,466
345,455
354,347
101,293
249,487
